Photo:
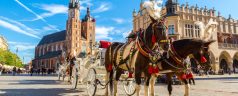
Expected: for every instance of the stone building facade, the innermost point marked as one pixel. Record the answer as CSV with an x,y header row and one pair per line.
x,y
79,36
3,43
180,23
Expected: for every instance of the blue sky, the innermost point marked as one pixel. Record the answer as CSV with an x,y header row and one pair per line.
x,y
24,22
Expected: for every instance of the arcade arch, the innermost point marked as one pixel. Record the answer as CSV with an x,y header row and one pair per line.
x,y
235,63
225,62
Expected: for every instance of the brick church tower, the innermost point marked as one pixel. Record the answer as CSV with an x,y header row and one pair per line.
x,y
80,35
88,29
73,26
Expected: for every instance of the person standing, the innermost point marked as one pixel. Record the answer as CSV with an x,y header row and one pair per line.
x,y
14,71
31,71
189,74
0,70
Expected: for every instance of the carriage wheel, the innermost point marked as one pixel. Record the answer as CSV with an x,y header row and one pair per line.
x,y
129,86
74,78
91,82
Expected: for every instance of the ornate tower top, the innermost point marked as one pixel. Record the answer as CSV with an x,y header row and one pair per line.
x,y
134,13
87,16
74,4
171,6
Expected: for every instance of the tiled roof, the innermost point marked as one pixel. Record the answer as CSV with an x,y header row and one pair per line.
x,y
55,37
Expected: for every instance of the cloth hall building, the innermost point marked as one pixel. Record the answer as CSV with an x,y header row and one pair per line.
x,y
181,24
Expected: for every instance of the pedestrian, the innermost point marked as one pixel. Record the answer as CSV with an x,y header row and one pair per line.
x,y
189,74
190,77
18,71
31,71
0,70
38,71
229,70
14,71
42,71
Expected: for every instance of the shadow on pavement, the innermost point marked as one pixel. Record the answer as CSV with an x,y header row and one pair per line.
x,y
40,92
33,82
216,78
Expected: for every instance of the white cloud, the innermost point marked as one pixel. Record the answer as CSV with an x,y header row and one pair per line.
x,y
119,20
102,8
126,33
22,46
37,15
52,9
102,33
17,27
29,10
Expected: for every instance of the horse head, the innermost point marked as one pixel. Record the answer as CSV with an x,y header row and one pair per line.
x,y
156,32
195,47
203,56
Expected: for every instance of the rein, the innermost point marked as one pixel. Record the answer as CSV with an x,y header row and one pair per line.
x,y
175,56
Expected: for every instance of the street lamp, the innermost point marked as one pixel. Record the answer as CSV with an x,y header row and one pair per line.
x,y
16,57
91,44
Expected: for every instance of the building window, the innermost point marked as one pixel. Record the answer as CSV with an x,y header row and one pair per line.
x,y
171,29
197,31
189,30
226,26
221,27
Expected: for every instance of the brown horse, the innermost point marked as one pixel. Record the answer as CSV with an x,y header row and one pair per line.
x,y
179,51
146,59
110,57
117,54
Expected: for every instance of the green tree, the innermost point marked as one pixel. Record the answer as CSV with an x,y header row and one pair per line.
x,y
9,58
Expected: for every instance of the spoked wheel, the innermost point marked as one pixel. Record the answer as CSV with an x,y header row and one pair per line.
x,y
74,78
129,86
91,82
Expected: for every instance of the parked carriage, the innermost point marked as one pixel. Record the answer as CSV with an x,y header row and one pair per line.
x,y
88,70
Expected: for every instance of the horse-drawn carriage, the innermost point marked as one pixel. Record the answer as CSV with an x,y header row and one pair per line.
x,y
89,71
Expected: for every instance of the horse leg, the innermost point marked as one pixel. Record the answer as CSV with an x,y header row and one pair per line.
x,y
111,82
152,84
107,80
146,85
187,86
138,82
170,88
118,75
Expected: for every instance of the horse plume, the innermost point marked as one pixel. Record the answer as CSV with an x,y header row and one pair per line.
x,y
206,30
153,8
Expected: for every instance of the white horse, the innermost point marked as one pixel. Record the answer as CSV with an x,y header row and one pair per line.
x,y
207,30
62,67
81,68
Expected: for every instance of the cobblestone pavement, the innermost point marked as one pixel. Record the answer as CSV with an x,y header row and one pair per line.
x,y
49,86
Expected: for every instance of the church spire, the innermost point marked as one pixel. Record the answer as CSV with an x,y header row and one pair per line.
x,y
87,16
88,11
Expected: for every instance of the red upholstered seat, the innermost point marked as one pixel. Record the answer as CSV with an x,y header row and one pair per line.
x,y
104,44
